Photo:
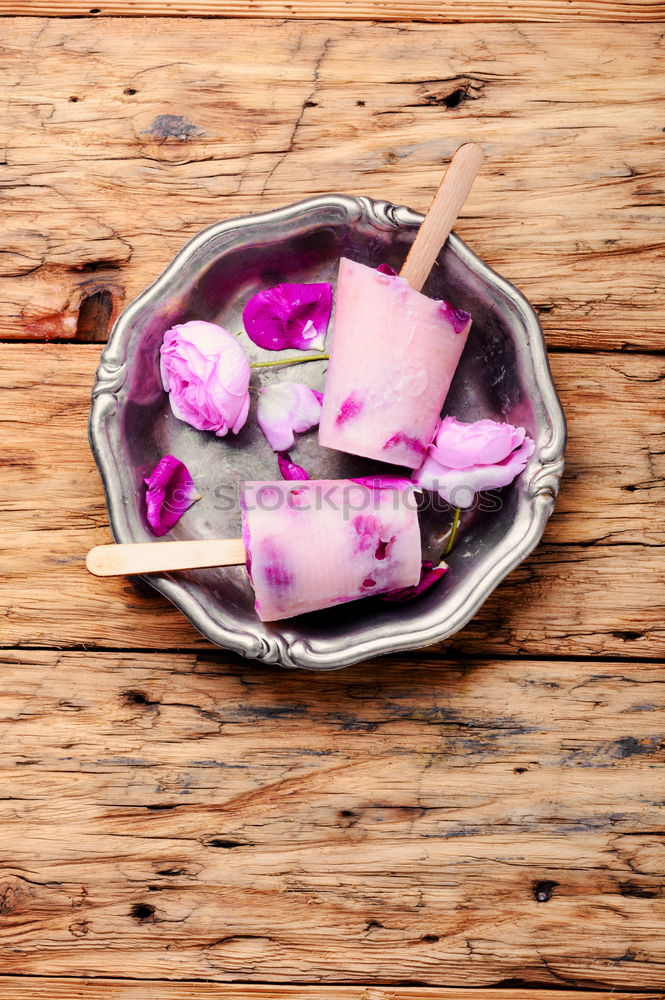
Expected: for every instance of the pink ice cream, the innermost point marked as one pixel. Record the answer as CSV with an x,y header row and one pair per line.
x,y
314,544
393,354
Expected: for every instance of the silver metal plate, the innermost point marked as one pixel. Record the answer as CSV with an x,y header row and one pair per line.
x,y
503,374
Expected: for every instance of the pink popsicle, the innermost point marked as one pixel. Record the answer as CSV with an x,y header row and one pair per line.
x,y
315,544
393,354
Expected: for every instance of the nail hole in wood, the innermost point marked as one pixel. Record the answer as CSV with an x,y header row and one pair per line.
x,y
73,100
543,891
142,911
135,697
430,938
130,91
455,99
360,104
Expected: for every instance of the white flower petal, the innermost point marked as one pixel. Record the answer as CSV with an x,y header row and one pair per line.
x,y
284,408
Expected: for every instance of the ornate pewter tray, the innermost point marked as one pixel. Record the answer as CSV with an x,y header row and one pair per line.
x,y
503,374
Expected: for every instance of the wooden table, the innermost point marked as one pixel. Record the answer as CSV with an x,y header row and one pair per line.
x,y
485,813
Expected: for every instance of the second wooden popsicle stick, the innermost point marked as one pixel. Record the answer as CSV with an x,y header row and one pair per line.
x,y
162,557
443,212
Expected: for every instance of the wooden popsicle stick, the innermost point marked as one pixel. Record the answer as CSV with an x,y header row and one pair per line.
x,y
443,211
162,557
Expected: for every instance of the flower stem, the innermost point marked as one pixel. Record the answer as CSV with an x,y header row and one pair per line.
x,y
289,361
453,531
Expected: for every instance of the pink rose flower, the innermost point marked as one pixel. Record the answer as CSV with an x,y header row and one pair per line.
x,y
206,374
465,459
284,408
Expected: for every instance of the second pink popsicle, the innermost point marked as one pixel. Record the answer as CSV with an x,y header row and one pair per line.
x,y
317,543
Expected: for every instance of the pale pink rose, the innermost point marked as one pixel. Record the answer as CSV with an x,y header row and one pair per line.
x,y
206,374
465,459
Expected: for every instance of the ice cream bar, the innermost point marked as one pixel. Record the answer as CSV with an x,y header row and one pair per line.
x,y
317,543
393,354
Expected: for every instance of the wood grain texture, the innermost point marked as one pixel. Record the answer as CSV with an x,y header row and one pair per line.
x,y
388,10
179,816
124,138
39,987
595,586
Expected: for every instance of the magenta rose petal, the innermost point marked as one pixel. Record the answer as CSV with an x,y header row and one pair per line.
x,y
289,316
288,467
428,577
170,492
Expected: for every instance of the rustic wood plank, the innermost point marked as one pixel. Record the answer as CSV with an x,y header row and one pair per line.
x,y
596,582
123,139
388,10
38,987
178,816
